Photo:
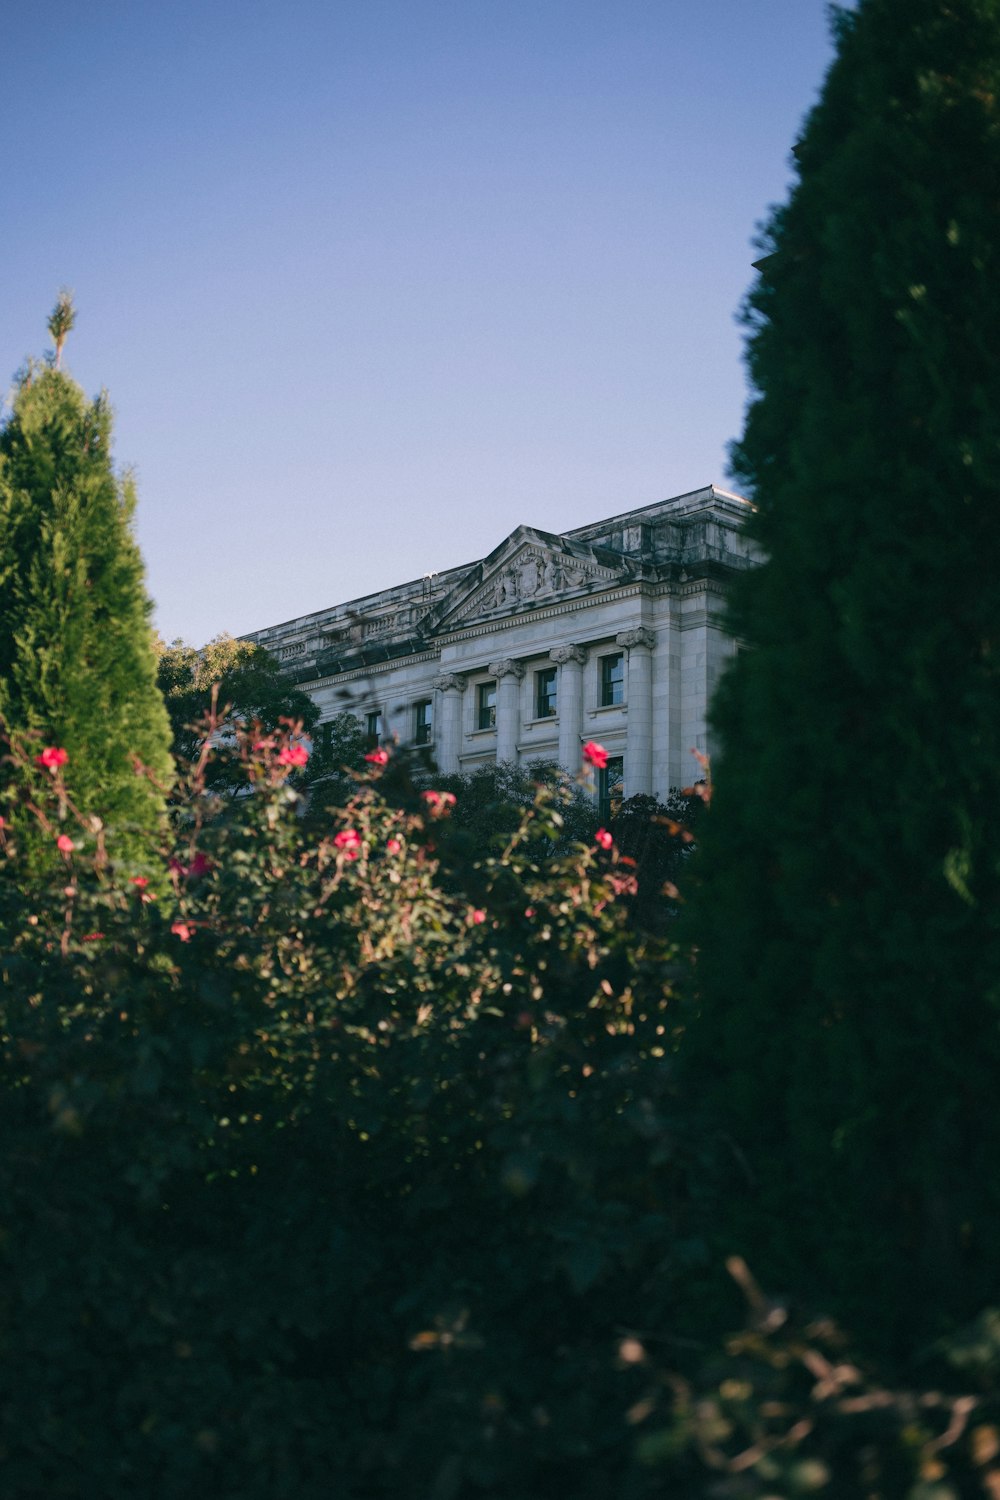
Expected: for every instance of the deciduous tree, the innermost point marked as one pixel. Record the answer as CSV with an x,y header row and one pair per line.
x,y
248,688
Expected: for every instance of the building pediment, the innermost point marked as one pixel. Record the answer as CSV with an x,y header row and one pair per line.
x,y
529,569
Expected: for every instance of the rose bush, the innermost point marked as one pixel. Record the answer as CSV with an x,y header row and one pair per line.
x,y
320,1177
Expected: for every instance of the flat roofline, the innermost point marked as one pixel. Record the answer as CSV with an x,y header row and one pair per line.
x,y
659,506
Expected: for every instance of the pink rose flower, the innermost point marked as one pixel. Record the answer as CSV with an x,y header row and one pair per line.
x,y
604,838
377,757
347,839
181,930
393,846
52,757
595,755
438,803
476,916
293,755
140,882
65,844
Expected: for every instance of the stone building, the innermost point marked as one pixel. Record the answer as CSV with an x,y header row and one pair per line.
x,y
612,632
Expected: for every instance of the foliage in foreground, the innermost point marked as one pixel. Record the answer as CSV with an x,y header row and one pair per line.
x,y
318,1179
849,917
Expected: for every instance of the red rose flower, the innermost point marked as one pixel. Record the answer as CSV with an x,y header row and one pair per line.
x,y
293,755
595,755
604,838
377,757
52,757
65,844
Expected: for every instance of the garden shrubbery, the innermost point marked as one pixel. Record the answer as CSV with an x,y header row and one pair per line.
x,y
318,1178
370,1153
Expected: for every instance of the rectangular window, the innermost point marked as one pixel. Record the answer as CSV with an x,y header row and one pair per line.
x,y
486,705
423,718
545,693
373,728
611,788
612,680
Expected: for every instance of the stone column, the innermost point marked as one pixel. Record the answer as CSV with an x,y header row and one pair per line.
x,y
508,674
639,697
570,660
448,736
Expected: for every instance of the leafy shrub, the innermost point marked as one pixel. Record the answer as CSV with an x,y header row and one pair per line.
x,y
788,1408
319,1179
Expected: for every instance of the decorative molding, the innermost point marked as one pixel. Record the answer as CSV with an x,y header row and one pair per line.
x,y
451,635
532,575
449,681
639,636
507,667
563,654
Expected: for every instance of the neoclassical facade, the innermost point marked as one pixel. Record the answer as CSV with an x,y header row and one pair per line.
x,y
611,632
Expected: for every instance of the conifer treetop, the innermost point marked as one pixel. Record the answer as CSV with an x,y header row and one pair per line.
x,y
61,321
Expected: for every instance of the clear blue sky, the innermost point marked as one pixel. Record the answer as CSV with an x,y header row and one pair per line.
x,y
371,282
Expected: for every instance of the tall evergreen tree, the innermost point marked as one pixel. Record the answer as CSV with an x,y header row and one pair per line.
x,y
848,1043
77,664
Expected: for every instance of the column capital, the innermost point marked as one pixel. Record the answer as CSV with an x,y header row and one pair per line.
x,y
508,667
563,654
449,681
640,636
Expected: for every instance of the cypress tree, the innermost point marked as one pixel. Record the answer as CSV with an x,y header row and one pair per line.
x,y
848,917
77,664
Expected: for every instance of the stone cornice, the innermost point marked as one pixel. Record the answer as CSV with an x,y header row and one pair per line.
x,y
374,669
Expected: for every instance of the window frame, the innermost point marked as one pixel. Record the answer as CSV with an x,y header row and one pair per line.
x,y
374,728
611,662
547,702
486,713
423,721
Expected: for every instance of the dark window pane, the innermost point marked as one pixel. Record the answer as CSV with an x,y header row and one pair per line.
x,y
612,680
423,717
545,695
486,701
